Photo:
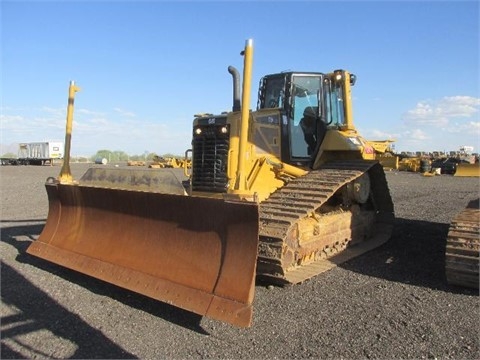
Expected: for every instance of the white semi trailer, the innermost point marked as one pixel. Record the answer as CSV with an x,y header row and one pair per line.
x,y
36,153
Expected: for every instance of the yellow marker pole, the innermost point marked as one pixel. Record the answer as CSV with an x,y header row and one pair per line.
x,y
65,173
241,182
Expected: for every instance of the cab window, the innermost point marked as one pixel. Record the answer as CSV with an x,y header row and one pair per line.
x,y
304,114
334,106
274,93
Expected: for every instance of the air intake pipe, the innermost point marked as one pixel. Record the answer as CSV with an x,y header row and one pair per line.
x,y
236,88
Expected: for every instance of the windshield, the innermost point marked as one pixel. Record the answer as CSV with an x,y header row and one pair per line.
x,y
305,114
305,94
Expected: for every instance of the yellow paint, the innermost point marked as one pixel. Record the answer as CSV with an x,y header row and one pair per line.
x,y
65,173
242,149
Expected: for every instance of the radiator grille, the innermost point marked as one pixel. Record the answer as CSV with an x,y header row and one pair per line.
x,y
210,159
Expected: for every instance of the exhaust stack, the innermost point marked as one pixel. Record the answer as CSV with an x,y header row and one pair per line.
x,y
236,88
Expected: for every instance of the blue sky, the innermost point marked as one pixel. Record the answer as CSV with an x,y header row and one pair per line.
x,y
146,67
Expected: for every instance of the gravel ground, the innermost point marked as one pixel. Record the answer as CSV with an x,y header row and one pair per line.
x,y
392,302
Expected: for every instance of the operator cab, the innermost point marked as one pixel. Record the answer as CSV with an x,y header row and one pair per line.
x,y
310,103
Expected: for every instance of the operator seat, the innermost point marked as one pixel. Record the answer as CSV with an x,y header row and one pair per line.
x,y
313,128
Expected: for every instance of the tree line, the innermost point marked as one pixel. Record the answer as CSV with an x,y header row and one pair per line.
x,y
111,156
118,155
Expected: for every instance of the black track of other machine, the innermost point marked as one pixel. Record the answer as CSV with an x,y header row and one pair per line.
x,y
463,246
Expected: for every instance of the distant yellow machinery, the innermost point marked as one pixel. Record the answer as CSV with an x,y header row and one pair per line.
x,y
159,162
382,146
410,164
429,168
470,170
281,193
135,163
385,153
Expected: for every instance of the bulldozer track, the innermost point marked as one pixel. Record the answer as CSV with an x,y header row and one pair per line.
x,y
463,246
303,196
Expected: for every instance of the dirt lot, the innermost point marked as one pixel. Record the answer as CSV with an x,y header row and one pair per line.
x,y
392,302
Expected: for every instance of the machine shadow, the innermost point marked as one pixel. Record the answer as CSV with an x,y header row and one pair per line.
x,y
415,255
37,311
26,234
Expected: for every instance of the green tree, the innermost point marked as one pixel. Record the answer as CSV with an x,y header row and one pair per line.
x,y
136,157
107,154
119,155
151,156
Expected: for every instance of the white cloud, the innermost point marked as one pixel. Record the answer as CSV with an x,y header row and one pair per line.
x,y
89,112
124,112
380,135
474,126
459,106
9,120
24,124
470,128
56,112
94,130
439,113
417,134
413,135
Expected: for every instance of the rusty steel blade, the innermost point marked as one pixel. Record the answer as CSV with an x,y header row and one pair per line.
x,y
196,253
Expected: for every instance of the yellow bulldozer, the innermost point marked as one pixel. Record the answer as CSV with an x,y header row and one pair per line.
x,y
384,153
383,146
279,194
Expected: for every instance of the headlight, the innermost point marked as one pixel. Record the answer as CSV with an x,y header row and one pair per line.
x,y
355,141
223,130
198,131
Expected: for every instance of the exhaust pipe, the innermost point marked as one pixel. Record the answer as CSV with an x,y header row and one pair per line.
x,y
236,88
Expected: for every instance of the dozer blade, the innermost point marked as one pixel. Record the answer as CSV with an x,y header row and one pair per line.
x,y
471,170
196,253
